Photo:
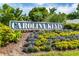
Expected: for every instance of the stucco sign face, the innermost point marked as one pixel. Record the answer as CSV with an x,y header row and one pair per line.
x,y
25,25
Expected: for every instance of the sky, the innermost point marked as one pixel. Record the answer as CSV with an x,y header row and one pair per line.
x,y
61,7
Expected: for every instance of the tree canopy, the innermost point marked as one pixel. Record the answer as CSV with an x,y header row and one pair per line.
x,y
8,13
38,14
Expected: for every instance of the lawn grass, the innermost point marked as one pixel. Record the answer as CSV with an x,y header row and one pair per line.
x,y
58,53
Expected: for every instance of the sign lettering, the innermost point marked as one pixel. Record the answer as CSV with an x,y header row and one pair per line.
x,y
24,25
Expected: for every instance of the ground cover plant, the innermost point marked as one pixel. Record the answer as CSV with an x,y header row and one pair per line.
x,y
8,35
58,53
52,40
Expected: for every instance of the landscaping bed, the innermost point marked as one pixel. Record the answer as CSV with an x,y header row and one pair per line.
x,y
52,40
64,42
53,43
58,53
14,49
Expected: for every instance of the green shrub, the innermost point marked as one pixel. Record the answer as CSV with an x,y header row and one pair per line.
x,y
8,35
32,49
71,26
65,45
38,42
45,48
16,35
48,48
42,48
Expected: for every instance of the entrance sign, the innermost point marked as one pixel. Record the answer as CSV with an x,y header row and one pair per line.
x,y
27,25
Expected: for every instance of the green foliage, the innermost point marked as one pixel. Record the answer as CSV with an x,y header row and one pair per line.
x,y
59,53
75,14
42,48
25,18
72,16
52,10
56,18
72,26
55,40
32,49
16,35
8,35
8,13
38,43
65,45
48,48
38,14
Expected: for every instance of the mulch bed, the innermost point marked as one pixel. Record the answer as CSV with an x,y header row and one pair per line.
x,y
15,49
